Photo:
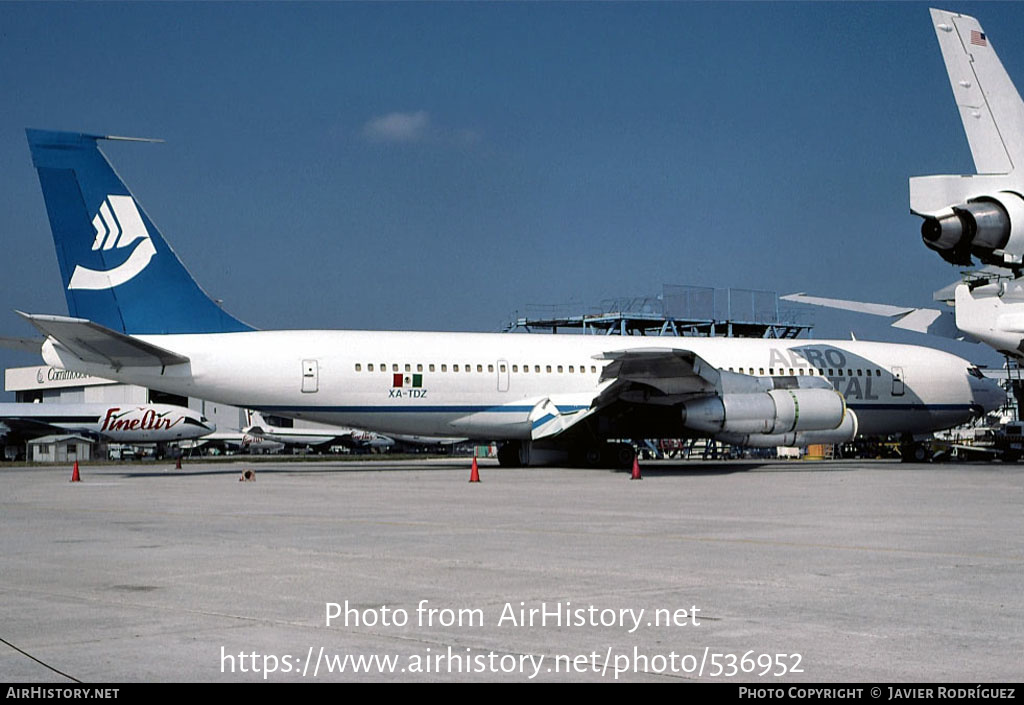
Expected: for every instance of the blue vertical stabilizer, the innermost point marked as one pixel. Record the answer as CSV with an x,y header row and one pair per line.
x,y
116,267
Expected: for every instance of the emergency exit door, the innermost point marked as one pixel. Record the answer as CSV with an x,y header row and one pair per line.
x,y
897,381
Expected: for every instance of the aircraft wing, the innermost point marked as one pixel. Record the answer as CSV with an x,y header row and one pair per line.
x,y
654,376
92,343
930,321
645,387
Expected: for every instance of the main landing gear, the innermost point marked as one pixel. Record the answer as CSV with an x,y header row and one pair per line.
x,y
517,454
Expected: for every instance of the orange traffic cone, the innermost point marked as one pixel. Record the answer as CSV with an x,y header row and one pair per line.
x,y
75,477
474,475
636,470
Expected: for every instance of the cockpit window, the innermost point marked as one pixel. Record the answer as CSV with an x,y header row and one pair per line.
x,y
975,372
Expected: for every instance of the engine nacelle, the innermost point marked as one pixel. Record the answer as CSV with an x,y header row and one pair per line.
x,y
990,228
772,412
846,432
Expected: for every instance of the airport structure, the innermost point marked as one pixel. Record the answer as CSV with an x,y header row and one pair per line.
x,y
678,311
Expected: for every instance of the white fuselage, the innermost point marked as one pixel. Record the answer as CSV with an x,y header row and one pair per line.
x,y
485,385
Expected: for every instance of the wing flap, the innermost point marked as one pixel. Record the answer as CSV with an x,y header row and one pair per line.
x,y
667,370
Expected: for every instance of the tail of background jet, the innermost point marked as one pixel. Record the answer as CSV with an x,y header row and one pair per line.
x,y
977,215
117,269
990,107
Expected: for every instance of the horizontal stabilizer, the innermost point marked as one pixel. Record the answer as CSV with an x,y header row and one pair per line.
x,y
93,343
29,345
929,321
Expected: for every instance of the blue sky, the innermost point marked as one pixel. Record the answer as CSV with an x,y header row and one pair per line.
x,y
442,165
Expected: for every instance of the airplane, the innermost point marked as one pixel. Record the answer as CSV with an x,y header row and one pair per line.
x,y
971,216
314,437
137,316
237,441
118,423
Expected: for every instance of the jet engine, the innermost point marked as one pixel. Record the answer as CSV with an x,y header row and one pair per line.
x,y
846,432
990,228
778,411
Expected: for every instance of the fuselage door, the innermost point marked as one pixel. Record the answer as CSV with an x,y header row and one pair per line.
x,y
502,375
897,381
310,376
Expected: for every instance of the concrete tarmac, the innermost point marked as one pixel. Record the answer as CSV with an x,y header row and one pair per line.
x,y
405,571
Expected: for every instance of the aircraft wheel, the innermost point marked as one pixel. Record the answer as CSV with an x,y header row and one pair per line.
x,y
592,456
915,453
622,455
508,455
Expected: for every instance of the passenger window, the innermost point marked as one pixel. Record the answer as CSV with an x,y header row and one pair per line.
x,y
431,368
408,368
479,368
419,368
571,369
536,368
490,368
359,367
369,368
455,368
444,367
515,368
394,367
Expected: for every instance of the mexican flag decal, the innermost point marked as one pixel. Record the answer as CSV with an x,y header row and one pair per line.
x,y
409,380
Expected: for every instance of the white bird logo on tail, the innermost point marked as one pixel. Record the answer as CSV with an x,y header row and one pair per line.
x,y
117,224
